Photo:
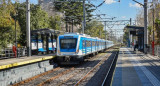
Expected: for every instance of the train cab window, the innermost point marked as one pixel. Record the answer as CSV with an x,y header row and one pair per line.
x,y
68,43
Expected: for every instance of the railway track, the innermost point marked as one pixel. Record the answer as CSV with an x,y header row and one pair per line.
x,y
62,75
108,77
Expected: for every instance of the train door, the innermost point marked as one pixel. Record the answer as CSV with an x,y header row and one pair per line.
x,y
54,42
41,43
34,44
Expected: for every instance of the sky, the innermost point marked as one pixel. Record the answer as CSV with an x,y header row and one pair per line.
x,y
123,10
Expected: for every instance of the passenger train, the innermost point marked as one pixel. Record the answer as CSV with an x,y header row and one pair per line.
x,y
75,47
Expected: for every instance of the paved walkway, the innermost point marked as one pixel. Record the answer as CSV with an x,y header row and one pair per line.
x,y
133,70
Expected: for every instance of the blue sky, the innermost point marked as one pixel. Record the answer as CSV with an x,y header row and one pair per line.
x,y
123,10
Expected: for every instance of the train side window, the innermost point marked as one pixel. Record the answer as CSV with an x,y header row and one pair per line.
x,y
83,44
88,44
93,43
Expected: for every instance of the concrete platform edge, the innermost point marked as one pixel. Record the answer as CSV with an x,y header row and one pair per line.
x,y
2,67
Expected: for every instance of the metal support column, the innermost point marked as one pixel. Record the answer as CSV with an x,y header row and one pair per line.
x,y
72,25
153,32
84,19
16,36
28,28
145,26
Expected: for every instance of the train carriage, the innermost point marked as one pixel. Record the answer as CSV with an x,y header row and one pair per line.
x,y
74,47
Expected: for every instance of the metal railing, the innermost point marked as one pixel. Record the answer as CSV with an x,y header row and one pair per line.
x,y
8,53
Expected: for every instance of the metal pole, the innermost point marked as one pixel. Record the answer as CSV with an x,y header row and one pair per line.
x,y
69,29
28,28
16,37
105,34
84,20
145,26
72,25
129,38
130,21
105,30
153,33
66,26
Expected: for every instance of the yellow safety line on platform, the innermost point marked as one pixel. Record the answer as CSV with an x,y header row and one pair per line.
x,y
25,62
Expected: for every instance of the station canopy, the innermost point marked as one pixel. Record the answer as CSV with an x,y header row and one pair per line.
x,y
136,30
46,31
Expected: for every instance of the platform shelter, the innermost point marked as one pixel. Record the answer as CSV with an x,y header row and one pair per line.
x,y
43,41
139,33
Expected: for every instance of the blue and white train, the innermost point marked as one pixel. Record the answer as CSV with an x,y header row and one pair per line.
x,y
74,47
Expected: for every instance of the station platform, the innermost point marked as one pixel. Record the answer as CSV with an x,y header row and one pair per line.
x,y
13,62
136,69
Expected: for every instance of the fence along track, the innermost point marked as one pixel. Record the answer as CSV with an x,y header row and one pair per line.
x,y
84,77
55,77
37,76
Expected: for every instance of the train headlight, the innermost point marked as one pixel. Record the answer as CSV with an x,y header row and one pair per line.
x,y
59,52
77,51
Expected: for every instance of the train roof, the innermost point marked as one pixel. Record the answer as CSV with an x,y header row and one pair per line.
x,y
84,35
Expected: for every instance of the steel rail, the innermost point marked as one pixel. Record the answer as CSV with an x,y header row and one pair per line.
x,y
55,77
37,76
59,84
84,77
103,83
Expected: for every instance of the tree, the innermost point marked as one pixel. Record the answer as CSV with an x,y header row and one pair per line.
x,y
74,10
7,24
140,21
39,20
55,22
95,29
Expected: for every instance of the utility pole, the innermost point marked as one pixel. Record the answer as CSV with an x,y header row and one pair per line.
x,y
105,34
28,35
153,31
66,26
145,25
129,41
105,31
84,19
16,32
72,25
130,21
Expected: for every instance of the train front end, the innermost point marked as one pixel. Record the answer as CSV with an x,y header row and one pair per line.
x,y
68,49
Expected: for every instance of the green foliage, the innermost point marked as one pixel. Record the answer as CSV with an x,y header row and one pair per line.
x,y
94,29
125,36
157,30
157,21
39,20
74,10
7,24
55,22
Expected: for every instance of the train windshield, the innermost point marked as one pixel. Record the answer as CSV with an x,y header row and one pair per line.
x,y
68,43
